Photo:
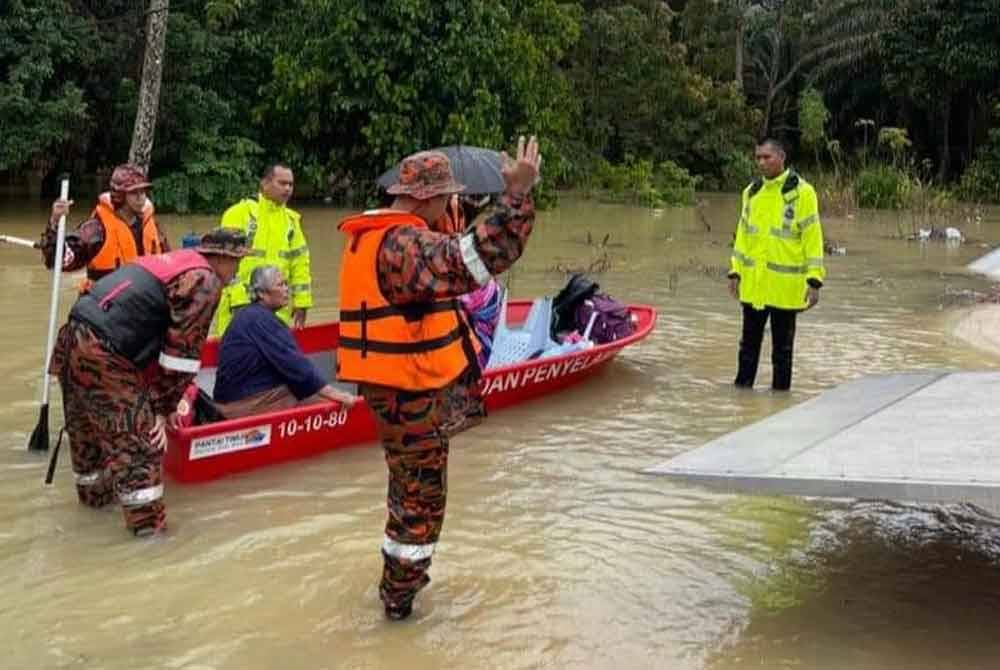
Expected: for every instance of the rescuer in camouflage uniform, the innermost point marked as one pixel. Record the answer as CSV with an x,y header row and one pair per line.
x,y
130,347
417,267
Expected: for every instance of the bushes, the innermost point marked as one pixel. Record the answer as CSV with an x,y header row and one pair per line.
x,y
981,180
737,171
882,187
216,172
641,182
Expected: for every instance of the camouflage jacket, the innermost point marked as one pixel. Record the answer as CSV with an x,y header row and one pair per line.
x,y
421,265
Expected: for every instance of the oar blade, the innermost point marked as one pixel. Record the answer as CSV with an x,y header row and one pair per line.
x,y
39,440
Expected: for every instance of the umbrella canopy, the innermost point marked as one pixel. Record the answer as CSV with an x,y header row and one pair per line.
x,y
477,168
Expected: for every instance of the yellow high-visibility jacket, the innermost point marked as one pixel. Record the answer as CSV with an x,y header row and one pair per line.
x,y
779,242
274,235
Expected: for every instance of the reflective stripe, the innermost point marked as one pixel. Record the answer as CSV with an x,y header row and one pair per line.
x,y
786,233
260,253
410,312
191,365
409,552
88,479
753,230
301,288
379,347
814,262
808,221
746,260
294,253
786,269
473,261
142,496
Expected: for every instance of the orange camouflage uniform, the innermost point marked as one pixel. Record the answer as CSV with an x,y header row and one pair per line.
x,y
110,405
419,265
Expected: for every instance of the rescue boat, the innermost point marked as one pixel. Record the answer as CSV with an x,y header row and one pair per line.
x,y
206,452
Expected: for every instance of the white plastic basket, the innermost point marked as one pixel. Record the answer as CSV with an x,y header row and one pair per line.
x,y
515,345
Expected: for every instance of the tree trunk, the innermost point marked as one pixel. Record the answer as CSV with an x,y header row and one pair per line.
x,y
765,126
970,132
740,35
945,164
149,92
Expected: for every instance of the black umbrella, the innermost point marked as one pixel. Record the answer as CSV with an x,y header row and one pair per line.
x,y
477,168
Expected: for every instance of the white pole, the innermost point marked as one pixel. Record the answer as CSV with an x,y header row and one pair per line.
x,y
57,264
18,241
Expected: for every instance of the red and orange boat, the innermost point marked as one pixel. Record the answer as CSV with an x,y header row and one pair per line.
x,y
206,452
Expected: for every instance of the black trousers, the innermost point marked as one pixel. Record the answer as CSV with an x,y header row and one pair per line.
x,y
782,341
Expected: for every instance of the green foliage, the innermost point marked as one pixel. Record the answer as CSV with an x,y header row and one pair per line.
x,y
342,89
367,83
640,98
216,170
882,187
44,46
896,141
981,180
640,182
735,172
813,116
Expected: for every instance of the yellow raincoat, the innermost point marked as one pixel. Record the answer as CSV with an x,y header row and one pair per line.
x,y
274,234
779,242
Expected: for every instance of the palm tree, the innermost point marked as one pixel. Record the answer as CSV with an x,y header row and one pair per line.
x,y
787,42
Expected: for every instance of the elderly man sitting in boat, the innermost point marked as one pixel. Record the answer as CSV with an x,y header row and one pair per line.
x,y
261,367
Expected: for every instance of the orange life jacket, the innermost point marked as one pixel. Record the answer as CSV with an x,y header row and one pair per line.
x,y
119,242
418,347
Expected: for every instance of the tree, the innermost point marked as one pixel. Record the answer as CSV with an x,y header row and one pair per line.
x,y
813,116
43,47
641,99
366,82
809,39
144,130
938,51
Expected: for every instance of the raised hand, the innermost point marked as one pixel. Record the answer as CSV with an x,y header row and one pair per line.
x,y
522,173
60,208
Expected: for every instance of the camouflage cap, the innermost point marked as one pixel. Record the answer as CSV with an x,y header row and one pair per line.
x,y
224,242
127,178
425,175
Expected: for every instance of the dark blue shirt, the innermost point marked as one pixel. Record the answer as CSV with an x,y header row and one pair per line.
x,y
258,353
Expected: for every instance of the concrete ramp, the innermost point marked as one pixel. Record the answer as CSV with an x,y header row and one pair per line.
x,y
988,265
916,437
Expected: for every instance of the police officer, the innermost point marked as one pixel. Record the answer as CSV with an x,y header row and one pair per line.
x,y
776,267
274,235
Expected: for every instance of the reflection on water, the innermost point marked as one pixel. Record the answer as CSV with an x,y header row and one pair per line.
x,y
557,550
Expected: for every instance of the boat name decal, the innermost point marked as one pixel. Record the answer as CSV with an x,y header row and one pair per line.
x,y
234,440
537,374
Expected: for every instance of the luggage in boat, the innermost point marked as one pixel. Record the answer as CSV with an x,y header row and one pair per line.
x,y
581,307
609,319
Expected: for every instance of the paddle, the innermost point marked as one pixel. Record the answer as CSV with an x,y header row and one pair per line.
x,y
39,440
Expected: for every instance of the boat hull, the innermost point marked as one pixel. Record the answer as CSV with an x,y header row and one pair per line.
x,y
202,453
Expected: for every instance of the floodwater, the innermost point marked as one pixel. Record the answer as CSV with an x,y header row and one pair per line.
x,y
558,551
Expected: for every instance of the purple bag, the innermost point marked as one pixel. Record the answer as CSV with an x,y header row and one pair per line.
x,y
613,320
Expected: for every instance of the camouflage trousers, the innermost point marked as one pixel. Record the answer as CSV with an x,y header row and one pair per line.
x,y
108,417
416,453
